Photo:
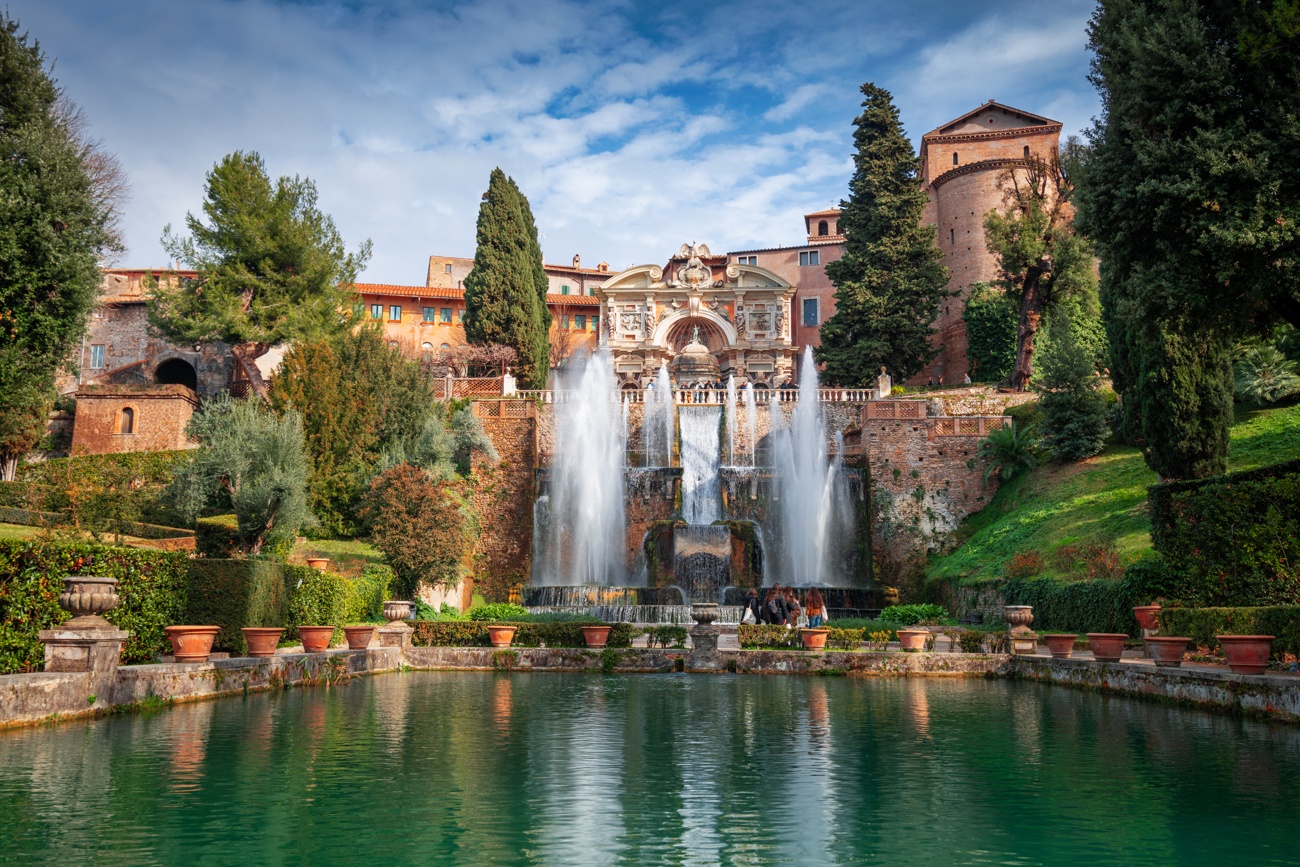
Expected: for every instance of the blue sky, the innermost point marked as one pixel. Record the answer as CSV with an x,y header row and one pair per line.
x,y
631,126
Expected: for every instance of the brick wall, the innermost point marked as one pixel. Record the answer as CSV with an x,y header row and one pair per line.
x,y
158,416
503,498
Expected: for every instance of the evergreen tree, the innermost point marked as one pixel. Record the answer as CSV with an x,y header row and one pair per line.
x,y
59,197
271,267
889,282
505,292
1075,413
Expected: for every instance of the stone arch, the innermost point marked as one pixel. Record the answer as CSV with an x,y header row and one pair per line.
x,y
177,371
670,324
126,421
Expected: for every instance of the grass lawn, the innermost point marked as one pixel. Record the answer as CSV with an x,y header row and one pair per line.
x,y
1099,501
23,532
347,556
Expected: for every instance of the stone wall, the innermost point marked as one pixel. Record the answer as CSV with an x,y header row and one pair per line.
x,y
118,418
503,497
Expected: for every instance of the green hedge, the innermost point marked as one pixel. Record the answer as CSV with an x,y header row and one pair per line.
x,y
467,633
27,495
767,636
1202,624
216,536
1235,537
1094,606
151,595
30,518
145,468
233,594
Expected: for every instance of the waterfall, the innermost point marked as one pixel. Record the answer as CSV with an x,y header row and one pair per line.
x,y
731,420
657,422
583,522
627,415
701,489
751,422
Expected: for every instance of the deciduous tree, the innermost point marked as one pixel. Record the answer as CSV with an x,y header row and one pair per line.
x,y
271,267
890,281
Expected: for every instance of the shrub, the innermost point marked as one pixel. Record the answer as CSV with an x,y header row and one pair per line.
x,y
1094,606
498,612
758,635
1202,624
1010,451
469,633
667,635
233,594
910,615
1025,415
151,595
425,528
318,599
1076,417
991,319
970,641
217,536
373,586
1265,375
1024,564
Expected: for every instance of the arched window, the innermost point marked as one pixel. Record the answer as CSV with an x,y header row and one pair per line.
x,y
126,421
823,228
954,158
446,347
1026,151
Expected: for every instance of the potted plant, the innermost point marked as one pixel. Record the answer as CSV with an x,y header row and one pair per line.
x,y
501,636
192,643
912,639
1167,650
358,636
814,638
596,636
262,640
1148,616
315,639
1106,646
1061,646
1247,654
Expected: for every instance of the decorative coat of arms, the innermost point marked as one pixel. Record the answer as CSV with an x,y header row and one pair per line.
x,y
694,274
629,321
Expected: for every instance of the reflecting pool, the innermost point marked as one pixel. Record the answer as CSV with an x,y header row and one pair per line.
x,y
473,768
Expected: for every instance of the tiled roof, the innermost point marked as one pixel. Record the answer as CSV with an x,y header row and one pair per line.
x,y
829,212
939,130
459,294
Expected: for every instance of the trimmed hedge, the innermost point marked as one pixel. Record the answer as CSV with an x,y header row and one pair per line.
x,y
151,595
1236,537
31,518
1097,605
146,468
26,495
1202,624
766,636
216,536
468,633
233,594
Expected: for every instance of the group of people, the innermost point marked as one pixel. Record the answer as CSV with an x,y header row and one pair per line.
x,y
780,606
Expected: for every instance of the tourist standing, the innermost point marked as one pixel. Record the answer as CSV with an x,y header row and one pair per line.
x,y
774,610
791,607
816,608
752,609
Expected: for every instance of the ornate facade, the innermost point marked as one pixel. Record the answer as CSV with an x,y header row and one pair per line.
x,y
740,313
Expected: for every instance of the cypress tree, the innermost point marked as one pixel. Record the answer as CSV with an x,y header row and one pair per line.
x,y
890,281
505,292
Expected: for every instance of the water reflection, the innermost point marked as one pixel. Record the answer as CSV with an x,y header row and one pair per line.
x,y
553,769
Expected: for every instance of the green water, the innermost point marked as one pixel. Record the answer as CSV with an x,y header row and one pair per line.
x,y
462,768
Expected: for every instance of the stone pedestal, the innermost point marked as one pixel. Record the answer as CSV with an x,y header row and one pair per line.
x,y
395,635
704,654
1024,643
98,651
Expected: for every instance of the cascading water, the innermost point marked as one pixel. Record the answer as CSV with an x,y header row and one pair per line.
x,y
813,506
731,420
657,422
701,490
580,523
751,422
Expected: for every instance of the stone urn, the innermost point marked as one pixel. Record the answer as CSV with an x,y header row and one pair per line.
x,y
396,609
704,613
320,563
912,639
1167,651
192,643
501,636
1247,654
315,639
262,640
814,638
358,636
86,597
1148,616
596,636
1060,646
1018,617
1106,646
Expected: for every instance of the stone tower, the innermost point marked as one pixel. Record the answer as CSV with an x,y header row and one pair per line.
x,y
963,163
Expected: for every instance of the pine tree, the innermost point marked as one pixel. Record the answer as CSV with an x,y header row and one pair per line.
x,y
505,292
890,281
58,201
271,267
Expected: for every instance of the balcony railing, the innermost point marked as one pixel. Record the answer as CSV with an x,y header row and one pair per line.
x,y
718,397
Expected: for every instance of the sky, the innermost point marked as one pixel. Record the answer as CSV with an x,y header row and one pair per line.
x,y
631,127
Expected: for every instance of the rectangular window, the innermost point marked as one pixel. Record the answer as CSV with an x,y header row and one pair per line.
x,y
395,312
446,315
810,312
430,314
748,260
96,356
446,269
564,321
564,288
376,311
595,323
810,257
580,323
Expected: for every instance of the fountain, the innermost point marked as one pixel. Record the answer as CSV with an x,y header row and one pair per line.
x,y
657,422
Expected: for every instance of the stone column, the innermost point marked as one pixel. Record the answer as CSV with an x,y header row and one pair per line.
x,y
1023,640
86,643
704,638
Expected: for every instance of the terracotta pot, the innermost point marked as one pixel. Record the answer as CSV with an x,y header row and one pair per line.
x,y
501,636
912,639
1247,654
1106,646
262,640
1148,616
1061,646
192,643
815,638
358,636
1167,650
596,636
315,639
318,562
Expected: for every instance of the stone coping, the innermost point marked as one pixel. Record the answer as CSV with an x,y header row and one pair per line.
x,y
50,696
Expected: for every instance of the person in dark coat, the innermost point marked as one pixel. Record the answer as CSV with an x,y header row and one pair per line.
x,y
753,606
774,609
